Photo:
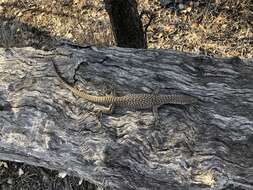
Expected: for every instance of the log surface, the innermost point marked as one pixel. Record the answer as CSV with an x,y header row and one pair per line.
x,y
206,145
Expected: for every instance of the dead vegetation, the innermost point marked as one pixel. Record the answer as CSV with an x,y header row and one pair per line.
x,y
217,27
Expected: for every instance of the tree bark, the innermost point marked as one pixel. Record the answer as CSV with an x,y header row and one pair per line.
x,y
205,145
126,23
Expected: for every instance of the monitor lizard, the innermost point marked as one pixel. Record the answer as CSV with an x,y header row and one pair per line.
x,y
134,101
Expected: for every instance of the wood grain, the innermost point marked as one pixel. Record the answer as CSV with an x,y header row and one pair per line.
x,y
208,145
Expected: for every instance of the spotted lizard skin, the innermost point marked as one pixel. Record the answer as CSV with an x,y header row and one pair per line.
x,y
135,101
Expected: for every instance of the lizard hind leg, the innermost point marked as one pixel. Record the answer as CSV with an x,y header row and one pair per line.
x,y
108,111
110,91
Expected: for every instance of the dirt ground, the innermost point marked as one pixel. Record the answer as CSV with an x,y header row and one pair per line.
x,y
221,28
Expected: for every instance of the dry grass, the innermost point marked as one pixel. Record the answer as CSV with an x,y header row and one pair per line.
x,y
221,28
217,27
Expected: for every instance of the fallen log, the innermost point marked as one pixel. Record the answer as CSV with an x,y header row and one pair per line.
x,y
208,144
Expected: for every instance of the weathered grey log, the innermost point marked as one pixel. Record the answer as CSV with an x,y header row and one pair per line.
x,y
207,145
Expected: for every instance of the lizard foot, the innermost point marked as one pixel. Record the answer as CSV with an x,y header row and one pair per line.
x,y
109,111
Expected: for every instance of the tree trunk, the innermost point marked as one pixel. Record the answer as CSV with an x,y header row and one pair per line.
x,y
208,144
126,23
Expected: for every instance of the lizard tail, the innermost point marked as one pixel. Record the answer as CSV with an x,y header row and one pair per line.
x,y
81,94
67,85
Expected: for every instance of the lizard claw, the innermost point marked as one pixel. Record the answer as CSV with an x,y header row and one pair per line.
x,y
98,113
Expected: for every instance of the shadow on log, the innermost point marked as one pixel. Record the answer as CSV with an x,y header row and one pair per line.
x,y
206,145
